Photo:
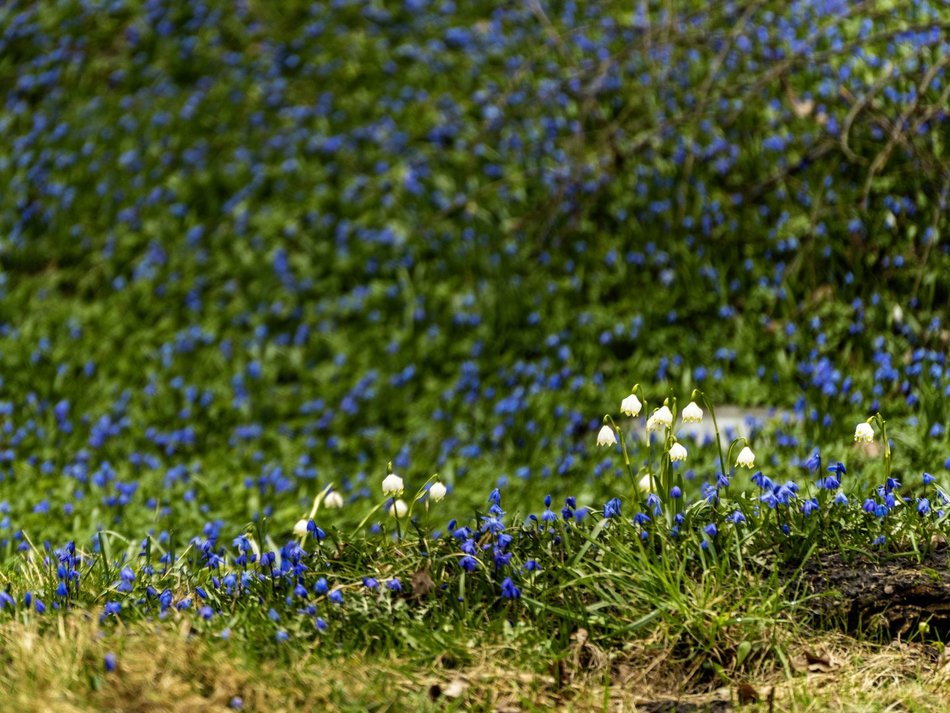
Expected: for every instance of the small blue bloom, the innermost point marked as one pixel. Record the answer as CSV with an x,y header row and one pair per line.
x,y
468,563
110,662
509,590
711,529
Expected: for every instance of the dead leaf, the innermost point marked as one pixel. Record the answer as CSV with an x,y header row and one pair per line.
x,y
421,583
815,662
746,694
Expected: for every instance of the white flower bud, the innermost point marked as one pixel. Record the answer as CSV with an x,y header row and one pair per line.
x,y
692,413
646,484
631,406
333,500
392,485
437,491
300,529
606,436
398,508
746,458
863,433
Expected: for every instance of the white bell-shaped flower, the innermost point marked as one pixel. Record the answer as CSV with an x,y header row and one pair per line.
x,y
606,436
300,529
392,485
437,491
398,508
662,417
333,500
692,413
677,452
863,433
746,458
631,406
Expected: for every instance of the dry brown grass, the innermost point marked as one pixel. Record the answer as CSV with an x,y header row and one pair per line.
x,y
166,669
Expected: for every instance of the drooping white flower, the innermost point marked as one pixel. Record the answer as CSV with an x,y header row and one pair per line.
x,y
437,491
392,485
300,529
646,484
631,406
863,433
746,458
333,500
692,413
660,418
606,436
398,508
677,452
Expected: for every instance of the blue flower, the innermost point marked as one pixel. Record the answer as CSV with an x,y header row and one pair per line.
x,y
612,508
509,590
468,563
711,529
109,661
923,506
838,469
929,479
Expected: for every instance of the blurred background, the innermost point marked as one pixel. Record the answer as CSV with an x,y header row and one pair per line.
x,y
252,249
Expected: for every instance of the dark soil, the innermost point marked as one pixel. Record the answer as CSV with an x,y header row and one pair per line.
x,y
680,707
891,596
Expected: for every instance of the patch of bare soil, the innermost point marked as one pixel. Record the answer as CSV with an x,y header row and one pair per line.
x,y
897,597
